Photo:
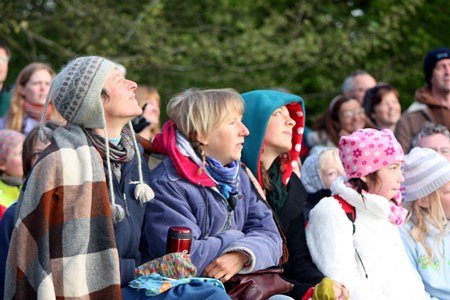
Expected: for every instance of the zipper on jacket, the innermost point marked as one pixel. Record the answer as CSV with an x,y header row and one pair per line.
x,y
230,205
126,204
127,212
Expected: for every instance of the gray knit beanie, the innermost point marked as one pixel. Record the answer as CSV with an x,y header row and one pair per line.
x,y
76,90
425,171
310,173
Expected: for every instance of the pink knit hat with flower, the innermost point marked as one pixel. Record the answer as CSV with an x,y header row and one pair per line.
x,y
368,150
9,141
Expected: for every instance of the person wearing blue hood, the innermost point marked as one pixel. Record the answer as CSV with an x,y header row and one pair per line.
x,y
276,123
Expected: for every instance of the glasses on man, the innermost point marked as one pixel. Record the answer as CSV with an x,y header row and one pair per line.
x,y
4,59
349,114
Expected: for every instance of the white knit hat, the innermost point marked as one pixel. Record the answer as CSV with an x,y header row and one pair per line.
x,y
76,94
425,171
310,172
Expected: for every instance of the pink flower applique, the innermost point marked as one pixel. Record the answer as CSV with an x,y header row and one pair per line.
x,y
357,153
389,151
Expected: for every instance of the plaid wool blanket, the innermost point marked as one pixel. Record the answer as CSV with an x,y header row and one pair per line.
x,y
63,243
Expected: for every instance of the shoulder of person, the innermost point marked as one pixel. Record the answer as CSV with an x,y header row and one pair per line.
x,y
417,107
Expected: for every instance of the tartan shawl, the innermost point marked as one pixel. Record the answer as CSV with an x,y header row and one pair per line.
x,y
63,243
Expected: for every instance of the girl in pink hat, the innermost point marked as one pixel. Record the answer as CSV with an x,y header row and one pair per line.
x,y
353,235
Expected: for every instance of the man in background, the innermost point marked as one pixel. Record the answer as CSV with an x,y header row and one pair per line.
x,y
356,84
432,102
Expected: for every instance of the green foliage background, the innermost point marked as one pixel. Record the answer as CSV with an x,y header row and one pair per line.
x,y
307,47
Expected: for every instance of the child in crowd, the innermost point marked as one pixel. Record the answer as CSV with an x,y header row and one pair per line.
x,y
426,235
201,185
10,167
353,236
276,122
319,171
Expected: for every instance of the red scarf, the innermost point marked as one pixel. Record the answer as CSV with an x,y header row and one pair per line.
x,y
34,111
165,143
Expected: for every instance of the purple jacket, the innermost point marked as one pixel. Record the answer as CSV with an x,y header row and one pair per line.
x,y
178,202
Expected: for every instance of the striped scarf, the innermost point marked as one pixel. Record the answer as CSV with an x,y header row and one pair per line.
x,y
226,176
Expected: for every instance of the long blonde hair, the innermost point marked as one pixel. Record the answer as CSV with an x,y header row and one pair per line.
x,y
420,216
14,118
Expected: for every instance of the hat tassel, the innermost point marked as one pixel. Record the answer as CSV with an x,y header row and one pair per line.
x,y
142,191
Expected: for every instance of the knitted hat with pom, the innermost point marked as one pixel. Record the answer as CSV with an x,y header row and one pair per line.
x,y
425,171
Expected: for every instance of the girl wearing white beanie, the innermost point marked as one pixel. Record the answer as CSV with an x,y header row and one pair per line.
x,y
426,235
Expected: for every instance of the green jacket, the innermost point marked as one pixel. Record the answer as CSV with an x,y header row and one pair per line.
x,y
8,194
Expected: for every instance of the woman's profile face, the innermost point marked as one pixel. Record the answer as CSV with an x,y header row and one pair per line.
x,y
389,181
121,103
278,137
225,142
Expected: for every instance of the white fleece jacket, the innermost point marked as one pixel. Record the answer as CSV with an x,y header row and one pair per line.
x,y
332,245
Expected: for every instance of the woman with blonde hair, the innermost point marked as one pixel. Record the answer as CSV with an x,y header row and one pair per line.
x,y
201,185
426,235
27,103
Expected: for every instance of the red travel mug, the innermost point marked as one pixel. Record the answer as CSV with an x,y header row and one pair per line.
x,y
179,239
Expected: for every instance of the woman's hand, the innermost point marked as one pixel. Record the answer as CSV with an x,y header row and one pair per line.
x,y
226,265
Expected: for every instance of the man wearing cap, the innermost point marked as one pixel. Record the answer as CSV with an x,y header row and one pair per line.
x,y
432,102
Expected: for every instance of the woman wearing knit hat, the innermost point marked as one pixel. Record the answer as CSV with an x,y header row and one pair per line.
x,y
276,122
353,236
79,218
10,167
426,235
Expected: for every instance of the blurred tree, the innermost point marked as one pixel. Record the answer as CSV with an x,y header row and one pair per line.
x,y
307,47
